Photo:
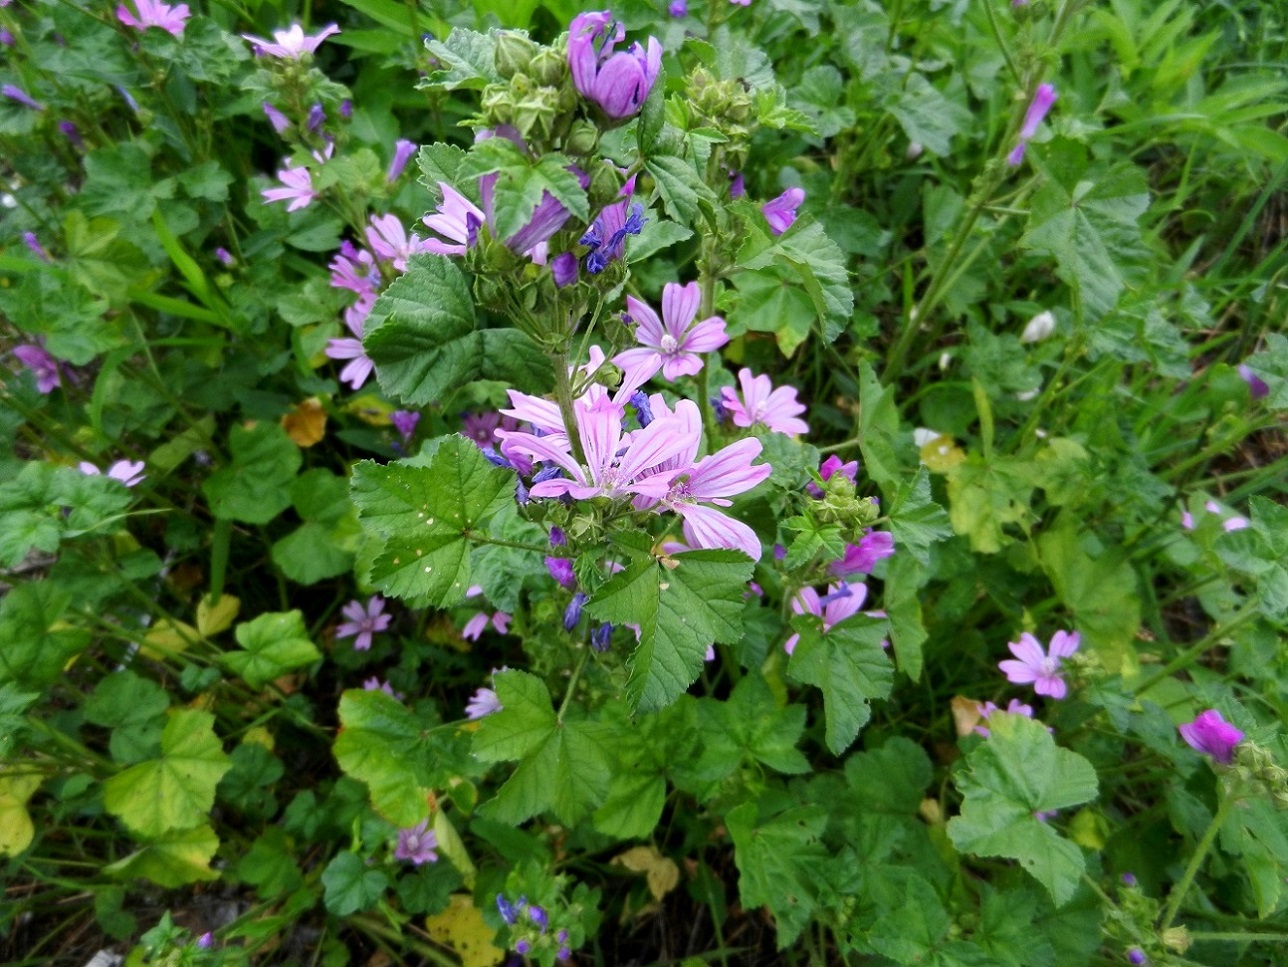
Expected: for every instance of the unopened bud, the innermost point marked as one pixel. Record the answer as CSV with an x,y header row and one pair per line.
x,y
514,53
1039,327
582,138
914,151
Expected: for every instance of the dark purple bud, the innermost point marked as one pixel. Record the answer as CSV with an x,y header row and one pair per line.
x,y
546,473
1129,879
72,134
29,239
780,552
1256,384
643,410
564,268
600,639
736,187
561,570
1136,956
346,109
538,916
721,412
317,117
521,493
635,222
495,458
403,150
18,94
564,952
225,257
522,947
404,422
507,910
562,936
557,537
572,614
678,8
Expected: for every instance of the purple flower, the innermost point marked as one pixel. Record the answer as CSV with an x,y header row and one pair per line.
x,y
1015,707
155,14
547,218
457,219
557,537
291,43
482,702
363,621
780,212
841,601
297,188
7,39
862,557
403,150
1256,385
538,916
572,613
1129,879
560,569
15,93
281,123
737,188
374,684
316,118
207,939
1136,956
774,409
42,365
1040,668
225,257
1212,735
509,911
128,472
564,269
72,134
618,82
355,269
607,234
1043,98
417,844
830,466
30,240
678,8
475,627
522,946
404,422
390,242
672,343
360,366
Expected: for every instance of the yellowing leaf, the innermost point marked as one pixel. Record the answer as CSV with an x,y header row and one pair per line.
x,y
259,736
452,846
661,872
1088,828
306,424
173,860
461,927
942,454
213,618
370,408
967,713
168,637
16,827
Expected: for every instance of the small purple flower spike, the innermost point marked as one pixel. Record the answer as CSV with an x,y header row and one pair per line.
x,y
1256,384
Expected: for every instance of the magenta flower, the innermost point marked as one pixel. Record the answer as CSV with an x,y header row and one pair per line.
x,y
561,570
862,557
483,702
1212,735
359,368
15,93
155,14
404,422
841,601
618,82
390,242
564,269
671,344
678,8
606,236
281,123
1256,385
355,269
457,219
417,844
42,365
1015,707
363,621
830,466
780,212
1040,668
1043,98
374,684
291,43
403,150
128,472
775,409
297,188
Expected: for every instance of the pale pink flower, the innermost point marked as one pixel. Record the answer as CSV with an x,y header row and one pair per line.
x,y
456,219
774,409
390,242
841,601
297,188
128,472
359,368
291,43
155,14
1041,668
364,622
673,342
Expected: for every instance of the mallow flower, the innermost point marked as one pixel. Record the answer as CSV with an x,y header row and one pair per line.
x,y
128,472
673,342
780,212
1043,98
775,409
152,13
841,601
1212,735
359,368
291,43
1040,668
364,621
618,82
417,844
42,366
297,188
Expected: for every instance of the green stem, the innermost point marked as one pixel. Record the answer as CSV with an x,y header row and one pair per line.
x,y
1236,937
707,282
563,395
572,683
1200,853
1185,658
500,542
1001,43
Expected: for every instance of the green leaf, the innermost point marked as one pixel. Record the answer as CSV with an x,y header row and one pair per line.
x,y
134,709
439,163
819,92
891,779
681,608
779,860
422,517
350,886
679,186
901,600
268,865
848,664
986,495
1261,551
173,860
44,505
1016,773
817,261
812,537
467,59
274,644
1089,229
322,546
1272,366
177,790
421,335
750,727
520,188
38,644
382,743
772,300
255,487
14,703
563,764
916,521
926,115
878,425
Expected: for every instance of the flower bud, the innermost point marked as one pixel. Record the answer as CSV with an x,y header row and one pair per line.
x,y
1039,327
514,53
582,138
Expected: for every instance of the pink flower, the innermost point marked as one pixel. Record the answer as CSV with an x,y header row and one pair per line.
x,y
830,466
390,242
862,557
359,368
374,684
618,82
457,219
354,269
672,347
290,43
403,150
363,621
417,844
475,627
297,188
842,601
774,409
1039,667
483,702
1015,707
155,14
780,212
1043,98
128,472
42,365
1212,735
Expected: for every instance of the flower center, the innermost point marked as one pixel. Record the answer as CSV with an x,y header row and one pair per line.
x,y
669,344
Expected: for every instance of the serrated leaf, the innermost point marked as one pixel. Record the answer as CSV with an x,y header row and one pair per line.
x,y
916,521
679,186
350,886
878,424
750,726
927,117
466,59
37,643
255,487
382,744
173,860
817,261
134,709
778,860
849,666
177,790
273,644
680,611
439,163
1010,778
421,335
422,516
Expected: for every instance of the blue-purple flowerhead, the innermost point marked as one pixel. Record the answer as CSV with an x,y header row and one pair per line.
x,y
617,82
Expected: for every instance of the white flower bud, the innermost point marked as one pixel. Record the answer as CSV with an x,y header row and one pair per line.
x,y
914,150
1039,327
